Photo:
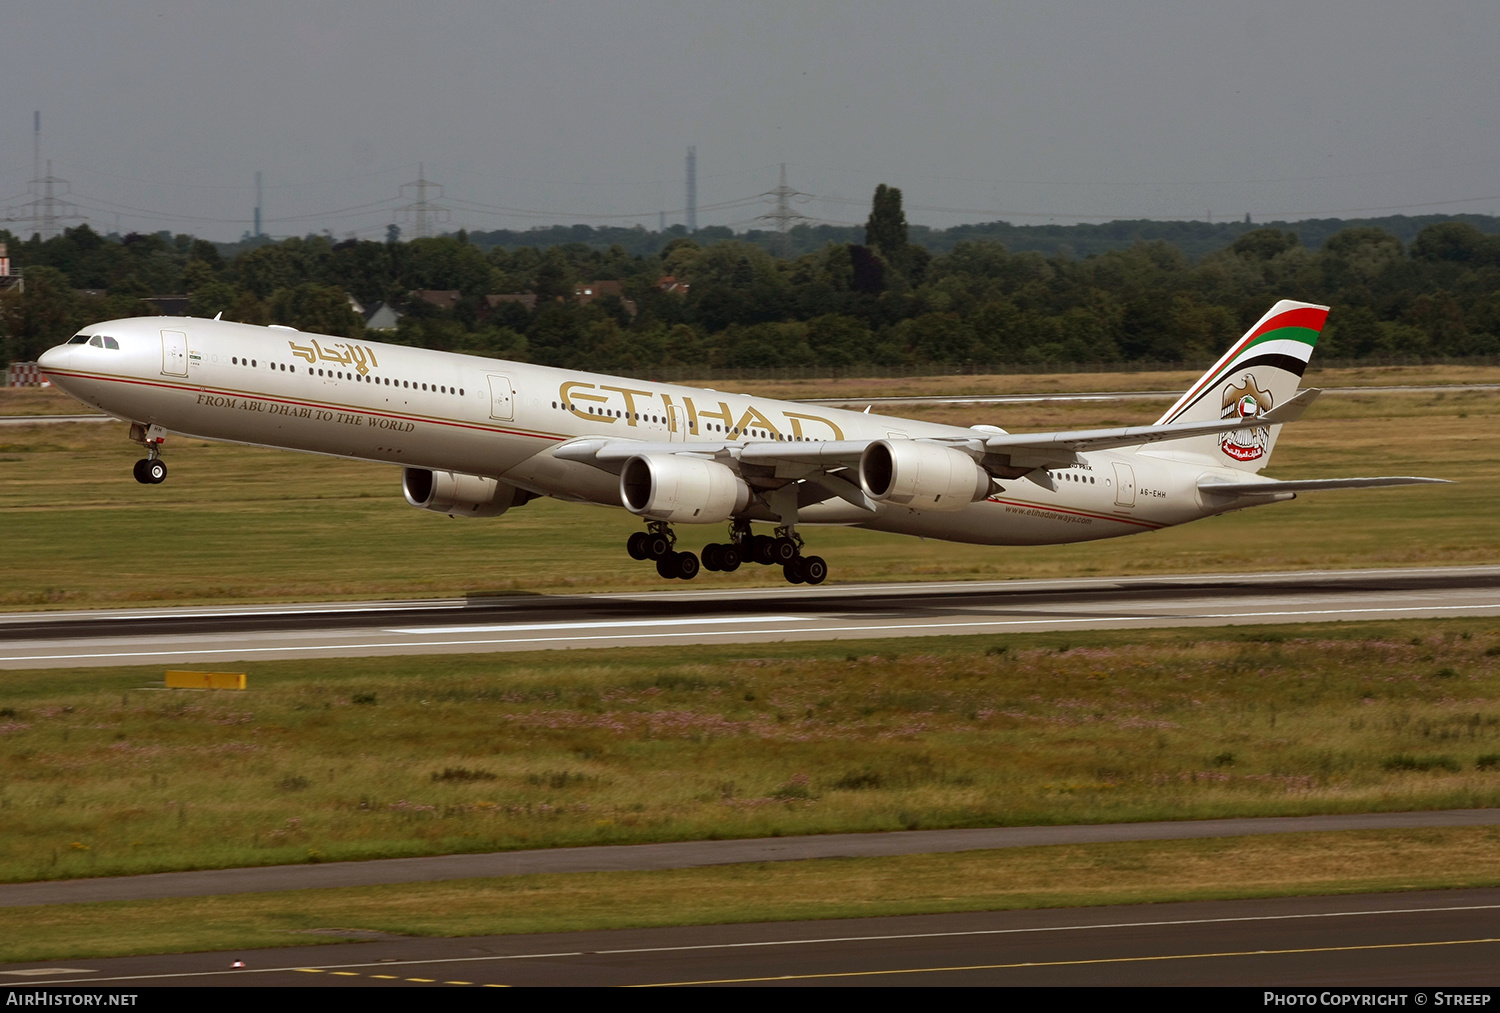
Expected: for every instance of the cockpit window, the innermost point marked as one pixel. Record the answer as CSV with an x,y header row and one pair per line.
x,y
110,342
78,339
96,341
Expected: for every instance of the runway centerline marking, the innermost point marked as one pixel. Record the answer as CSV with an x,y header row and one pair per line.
x,y
1068,963
821,940
600,625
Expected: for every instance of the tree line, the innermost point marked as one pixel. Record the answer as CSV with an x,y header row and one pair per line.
x,y
884,300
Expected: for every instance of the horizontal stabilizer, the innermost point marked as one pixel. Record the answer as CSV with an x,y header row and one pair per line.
x,y
1271,487
1046,449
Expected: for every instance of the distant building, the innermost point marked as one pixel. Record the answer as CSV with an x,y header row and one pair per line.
x,y
8,280
669,284
586,292
442,298
383,317
493,302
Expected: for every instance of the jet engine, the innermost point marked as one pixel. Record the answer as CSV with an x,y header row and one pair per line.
x,y
689,490
458,495
923,476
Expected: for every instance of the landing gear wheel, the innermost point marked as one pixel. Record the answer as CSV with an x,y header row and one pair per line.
x,y
658,546
666,566
814,569
783,551
728,558
685,566
793,572
140,471
763,549
636,546
155,471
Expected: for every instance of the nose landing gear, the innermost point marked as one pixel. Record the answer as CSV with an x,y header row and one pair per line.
x,y
151,469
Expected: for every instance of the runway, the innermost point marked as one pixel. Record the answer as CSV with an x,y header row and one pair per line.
x,y
704,615
699,854
1449,939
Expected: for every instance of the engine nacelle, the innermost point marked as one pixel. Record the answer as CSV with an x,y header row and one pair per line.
x,y
688,490
459,495
923,476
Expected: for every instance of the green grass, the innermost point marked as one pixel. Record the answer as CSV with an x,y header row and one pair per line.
x,y
241,524
1062,876
363,758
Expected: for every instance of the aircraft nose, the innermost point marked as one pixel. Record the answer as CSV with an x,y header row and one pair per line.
x,y
55,357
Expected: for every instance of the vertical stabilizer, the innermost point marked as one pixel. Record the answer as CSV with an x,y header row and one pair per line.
x,y
1262,370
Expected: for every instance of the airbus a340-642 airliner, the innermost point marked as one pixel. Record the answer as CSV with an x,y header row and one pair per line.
x,y
475,437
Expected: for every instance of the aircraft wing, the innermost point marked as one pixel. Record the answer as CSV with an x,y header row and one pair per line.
x,y
772,463
1270,486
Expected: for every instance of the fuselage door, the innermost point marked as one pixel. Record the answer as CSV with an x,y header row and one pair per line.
x,y
502,398
1124,485
174,353
676,424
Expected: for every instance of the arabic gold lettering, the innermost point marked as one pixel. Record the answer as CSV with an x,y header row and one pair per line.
x,y
302,353
357,356
334,356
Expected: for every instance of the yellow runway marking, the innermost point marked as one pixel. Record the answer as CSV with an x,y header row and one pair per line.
x,y
425,980
1070,963
310,970
388,977
345,974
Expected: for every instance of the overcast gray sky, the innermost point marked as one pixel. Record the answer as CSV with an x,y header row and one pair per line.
x,y
161,111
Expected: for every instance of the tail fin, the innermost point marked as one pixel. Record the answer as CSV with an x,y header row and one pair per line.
x,y
1261,371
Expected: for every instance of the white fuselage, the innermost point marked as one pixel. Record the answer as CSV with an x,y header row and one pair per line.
x,y
277,387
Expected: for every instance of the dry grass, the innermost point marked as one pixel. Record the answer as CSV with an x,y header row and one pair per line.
x,y
1063,876
400,756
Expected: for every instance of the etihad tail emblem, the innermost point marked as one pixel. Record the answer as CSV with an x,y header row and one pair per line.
x,y
1245,400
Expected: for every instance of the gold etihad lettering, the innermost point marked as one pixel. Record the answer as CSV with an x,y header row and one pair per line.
x,y
577,395
629,394
343,353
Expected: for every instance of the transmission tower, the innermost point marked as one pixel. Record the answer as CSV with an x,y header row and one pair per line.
x,y
47,208
692,189
782,216
421,212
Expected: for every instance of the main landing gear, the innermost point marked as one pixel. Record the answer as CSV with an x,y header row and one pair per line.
x,y
784,549
656,543
151,469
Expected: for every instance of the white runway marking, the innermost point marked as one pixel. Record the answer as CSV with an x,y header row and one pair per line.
x,y
955,627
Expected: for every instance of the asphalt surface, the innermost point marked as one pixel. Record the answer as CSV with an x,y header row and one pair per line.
x,y
704,615
1447,939
696,854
